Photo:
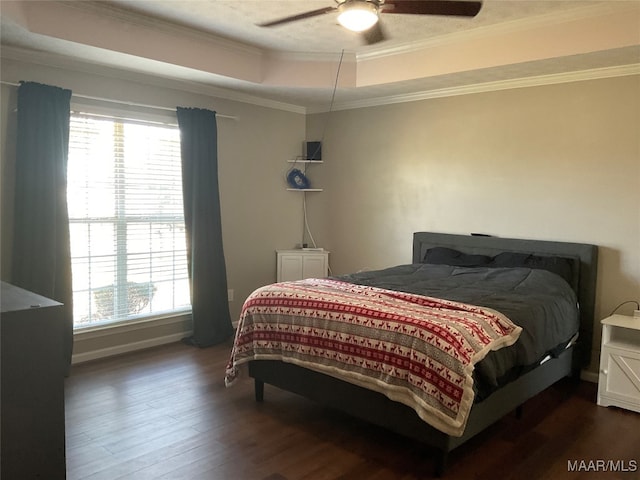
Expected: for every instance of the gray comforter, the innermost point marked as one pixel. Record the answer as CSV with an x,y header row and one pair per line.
x,y
540,302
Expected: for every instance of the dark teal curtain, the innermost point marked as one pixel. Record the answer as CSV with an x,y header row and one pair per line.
x,y
205,255
41,251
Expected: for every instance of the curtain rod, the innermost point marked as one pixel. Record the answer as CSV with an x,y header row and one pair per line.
x,y
130,104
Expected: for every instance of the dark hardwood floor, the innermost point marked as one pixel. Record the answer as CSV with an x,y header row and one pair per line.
x,y
165,413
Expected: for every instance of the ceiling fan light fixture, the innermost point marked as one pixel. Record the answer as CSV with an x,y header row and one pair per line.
x,y
357,15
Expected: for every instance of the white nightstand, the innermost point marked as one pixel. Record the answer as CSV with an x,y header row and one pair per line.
x,y
299,264
619,381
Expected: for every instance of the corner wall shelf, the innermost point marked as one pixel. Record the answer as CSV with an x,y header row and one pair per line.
x,y
305,162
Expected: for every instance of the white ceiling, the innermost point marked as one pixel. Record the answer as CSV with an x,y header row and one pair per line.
x,y
216,44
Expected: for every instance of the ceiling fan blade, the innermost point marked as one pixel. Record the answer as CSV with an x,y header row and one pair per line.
x,y
432,7
375,34
300,16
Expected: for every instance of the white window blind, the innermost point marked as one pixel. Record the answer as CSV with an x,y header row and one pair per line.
x,y
126,220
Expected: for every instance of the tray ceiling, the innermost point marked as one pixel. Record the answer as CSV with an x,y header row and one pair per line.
x,y
216,44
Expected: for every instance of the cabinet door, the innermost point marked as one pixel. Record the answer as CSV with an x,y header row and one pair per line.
x,y
290,268
621,376
314,266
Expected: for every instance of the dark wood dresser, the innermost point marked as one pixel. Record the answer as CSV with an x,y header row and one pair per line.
x,y
32,387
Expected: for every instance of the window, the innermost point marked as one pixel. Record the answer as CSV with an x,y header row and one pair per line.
x,y
128,247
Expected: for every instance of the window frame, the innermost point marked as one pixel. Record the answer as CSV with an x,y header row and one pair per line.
x,y
137,115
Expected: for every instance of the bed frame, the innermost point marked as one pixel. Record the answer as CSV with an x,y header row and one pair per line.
x,y
377,409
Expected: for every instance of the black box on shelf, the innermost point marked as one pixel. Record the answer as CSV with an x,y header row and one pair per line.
x,y
313,151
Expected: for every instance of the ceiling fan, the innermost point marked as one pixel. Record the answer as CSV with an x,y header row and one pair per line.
x,y
362,15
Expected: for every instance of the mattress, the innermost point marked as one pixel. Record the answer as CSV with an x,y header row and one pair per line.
x,y
542,303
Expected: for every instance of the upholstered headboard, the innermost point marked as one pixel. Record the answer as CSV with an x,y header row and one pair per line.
x,y
584,254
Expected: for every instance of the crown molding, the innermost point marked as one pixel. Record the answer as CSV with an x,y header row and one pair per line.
x,y
311,57
60,61
536,81
556,18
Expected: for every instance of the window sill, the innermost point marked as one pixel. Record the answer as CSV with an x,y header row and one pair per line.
x,y
131,325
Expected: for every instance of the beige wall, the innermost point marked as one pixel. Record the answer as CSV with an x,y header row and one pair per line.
x,y
558,162
258,214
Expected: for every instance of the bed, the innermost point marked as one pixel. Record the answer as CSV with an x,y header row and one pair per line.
x,y
546,281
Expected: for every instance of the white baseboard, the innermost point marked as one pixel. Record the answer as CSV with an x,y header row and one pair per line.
x,y
128,347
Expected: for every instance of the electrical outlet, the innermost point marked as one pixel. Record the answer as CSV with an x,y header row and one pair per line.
x,y
230,295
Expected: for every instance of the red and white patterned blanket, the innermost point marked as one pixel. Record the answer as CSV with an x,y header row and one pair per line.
x,y
416,350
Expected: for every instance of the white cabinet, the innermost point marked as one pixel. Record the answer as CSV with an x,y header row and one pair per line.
x,y
299,264
619,380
